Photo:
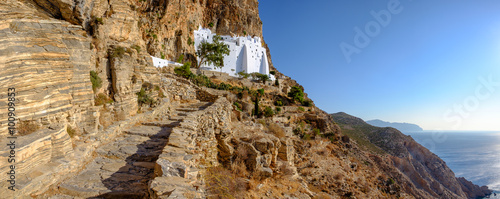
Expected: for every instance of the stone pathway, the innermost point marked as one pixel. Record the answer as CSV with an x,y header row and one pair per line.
x,y
124,167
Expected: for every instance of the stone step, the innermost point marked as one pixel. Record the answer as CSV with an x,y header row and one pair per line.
x,y
176,118
148,131
125,167
165,187
187,109
162,123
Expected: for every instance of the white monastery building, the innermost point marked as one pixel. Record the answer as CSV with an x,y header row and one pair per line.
x,y
158,62
246,54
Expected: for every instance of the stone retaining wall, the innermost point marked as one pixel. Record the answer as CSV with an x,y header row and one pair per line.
x,y
192,146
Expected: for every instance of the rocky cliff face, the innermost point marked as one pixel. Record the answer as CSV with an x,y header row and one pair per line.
x,y
421,172
47,61
132,130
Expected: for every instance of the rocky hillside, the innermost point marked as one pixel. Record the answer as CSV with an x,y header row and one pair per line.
x,y
423,173
97,119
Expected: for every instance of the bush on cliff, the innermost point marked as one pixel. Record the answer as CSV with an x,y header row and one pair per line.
x,y
96,80
144,98
297,94
268,112
184,70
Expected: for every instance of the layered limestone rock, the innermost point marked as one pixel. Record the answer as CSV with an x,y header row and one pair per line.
x,y
47,61
41,159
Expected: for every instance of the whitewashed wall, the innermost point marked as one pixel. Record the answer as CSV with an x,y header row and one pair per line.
x,y
246,53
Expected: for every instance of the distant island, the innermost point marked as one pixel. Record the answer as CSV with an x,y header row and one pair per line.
x,y
403,127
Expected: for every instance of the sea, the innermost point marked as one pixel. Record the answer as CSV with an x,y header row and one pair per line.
x,y
474,155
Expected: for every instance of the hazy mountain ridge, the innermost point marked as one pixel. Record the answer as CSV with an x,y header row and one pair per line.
x,y
401,126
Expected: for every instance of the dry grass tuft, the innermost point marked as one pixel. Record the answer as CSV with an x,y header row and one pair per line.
x,y
71,131
26,127
276,130
221,183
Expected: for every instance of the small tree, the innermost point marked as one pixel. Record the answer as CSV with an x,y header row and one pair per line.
x,y
256,110
263,78
213,53
260,77
244,75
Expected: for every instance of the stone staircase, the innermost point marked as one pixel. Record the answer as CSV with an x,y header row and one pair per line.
x,y
125,166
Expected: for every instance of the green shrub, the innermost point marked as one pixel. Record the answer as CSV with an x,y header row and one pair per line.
x,y
211,24
276,83
242,74
190,41
181,57
316,132
307,103
272,72
306,136
261,91
223,86
99,20
96,80
144,98
162,55
202,80
278,109
137,48
278,103
296,93
184,70
268,112
238,106
260,77
301,109
244,32
118,51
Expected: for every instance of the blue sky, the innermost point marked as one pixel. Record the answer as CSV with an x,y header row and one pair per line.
x,y
426,64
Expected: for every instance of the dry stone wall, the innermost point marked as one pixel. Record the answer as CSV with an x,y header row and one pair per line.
x,y
192,146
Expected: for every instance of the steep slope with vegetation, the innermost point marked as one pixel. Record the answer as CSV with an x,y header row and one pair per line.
x,y
99,120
